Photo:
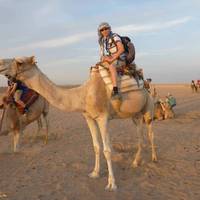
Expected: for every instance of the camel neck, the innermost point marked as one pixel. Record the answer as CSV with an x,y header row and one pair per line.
x,y
60,97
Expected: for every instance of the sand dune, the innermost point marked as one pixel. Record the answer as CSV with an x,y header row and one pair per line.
x,y
59,170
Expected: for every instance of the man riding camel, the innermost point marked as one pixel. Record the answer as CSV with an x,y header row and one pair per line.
x,y
16,89
113,52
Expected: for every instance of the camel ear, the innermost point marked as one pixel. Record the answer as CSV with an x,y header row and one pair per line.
x,y
19,60
33,60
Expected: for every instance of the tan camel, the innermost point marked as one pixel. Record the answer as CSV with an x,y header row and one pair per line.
x,y
159,111
93,100
162,109
15,122
194,86
169,112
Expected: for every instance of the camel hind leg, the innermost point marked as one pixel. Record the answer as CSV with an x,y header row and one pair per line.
x,y
45,117
148,120
151,138
138,121
39,123
45,113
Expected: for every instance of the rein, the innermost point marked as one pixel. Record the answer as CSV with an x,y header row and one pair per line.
x,y
2,116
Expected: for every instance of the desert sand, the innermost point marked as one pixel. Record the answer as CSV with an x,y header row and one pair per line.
x,y
58,170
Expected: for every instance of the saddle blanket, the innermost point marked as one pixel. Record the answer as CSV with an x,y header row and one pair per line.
x,y
125,83
28,97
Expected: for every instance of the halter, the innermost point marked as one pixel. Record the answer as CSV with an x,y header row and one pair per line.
x,y
22,71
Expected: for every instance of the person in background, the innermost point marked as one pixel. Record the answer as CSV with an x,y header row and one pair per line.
x,y
170,100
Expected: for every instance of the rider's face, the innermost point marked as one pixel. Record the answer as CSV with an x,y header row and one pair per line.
x,y
105,31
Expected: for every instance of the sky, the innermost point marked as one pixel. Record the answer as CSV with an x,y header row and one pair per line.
x,y
62,35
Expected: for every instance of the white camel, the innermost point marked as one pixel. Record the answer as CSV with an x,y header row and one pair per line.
x,y
93,100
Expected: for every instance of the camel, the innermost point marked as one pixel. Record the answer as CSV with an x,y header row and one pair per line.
x,y
15,122
194,86
169,112
93,100
159,111
162,109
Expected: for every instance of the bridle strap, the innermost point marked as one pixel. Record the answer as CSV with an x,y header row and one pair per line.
x,y
22,71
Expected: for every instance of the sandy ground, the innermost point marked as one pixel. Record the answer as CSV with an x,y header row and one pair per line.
x,y
58,171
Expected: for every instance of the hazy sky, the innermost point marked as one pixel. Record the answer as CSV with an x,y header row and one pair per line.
x,y
62,34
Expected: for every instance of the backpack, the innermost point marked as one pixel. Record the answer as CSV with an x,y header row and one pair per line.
x,y
129,49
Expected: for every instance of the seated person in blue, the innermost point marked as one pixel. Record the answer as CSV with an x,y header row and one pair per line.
x,y
16,89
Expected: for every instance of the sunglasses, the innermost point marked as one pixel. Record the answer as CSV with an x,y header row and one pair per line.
x,y
104,29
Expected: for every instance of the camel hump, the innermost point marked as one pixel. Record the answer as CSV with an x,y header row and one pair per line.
x,y
125,83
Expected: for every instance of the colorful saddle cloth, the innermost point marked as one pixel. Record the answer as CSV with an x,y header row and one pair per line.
x,y
28,97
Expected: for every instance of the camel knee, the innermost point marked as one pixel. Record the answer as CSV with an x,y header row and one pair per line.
x,y
107,154
97,150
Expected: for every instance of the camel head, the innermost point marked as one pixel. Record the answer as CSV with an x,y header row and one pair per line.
x,y
16,67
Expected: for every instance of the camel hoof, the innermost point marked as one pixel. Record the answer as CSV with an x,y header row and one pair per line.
x,y
136,163
93,175
111,187
154,159
16,150
45,142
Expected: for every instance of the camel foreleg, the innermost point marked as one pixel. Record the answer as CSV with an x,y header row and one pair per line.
x,y
103,126
94,133
16,140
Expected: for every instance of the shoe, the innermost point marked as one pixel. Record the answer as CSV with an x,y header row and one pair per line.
x,y
116,96
25,110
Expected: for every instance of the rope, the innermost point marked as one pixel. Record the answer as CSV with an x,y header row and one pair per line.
x,y
2,116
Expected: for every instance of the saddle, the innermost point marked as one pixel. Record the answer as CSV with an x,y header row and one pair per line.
x,y
127,80
131,70
28,97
